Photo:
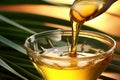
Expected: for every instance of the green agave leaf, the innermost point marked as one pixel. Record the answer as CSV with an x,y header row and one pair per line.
x,y
26,63
38,20
117,38
17,59
3,18
18,70
9,51
116,62
12,44
3,64
113,68
13,32
6,76
34,18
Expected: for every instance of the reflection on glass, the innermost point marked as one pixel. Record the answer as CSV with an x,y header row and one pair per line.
x,y
49,52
